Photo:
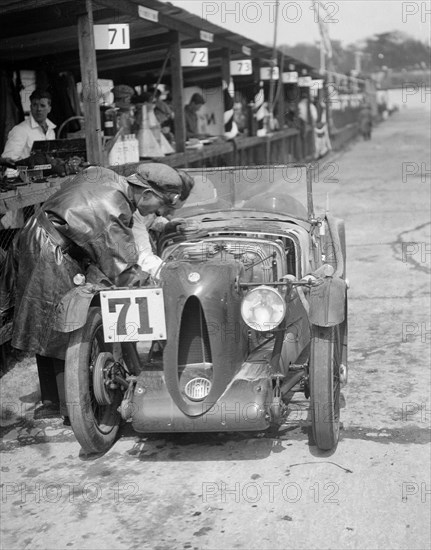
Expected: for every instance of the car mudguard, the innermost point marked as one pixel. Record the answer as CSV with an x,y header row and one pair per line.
x,y
328,302
334,245
71,312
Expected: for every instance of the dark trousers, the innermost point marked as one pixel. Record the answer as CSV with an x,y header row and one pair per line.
x,y
51,380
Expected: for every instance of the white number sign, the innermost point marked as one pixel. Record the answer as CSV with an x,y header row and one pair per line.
x,y
148,14
194,57
241,67
265,73
133,315
112,37
290,78
206,36
304,81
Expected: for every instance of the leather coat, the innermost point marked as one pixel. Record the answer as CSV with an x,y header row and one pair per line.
x,y
87,221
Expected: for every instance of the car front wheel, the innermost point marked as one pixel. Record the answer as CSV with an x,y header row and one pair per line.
x,y
325,360
94,421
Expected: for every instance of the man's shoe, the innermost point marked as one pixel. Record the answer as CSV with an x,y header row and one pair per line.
x,y
47,410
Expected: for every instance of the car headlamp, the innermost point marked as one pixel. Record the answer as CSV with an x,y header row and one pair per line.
x,y
263,308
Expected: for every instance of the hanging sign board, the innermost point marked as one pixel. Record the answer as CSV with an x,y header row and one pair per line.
x,y
241,67
148,14
206,36
304,81
317,84
290,78
265,73
112,37
194,57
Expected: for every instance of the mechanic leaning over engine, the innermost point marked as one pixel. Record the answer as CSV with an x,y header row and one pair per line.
x,y
86,224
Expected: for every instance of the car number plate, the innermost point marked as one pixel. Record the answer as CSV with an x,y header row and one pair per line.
x,y
133,315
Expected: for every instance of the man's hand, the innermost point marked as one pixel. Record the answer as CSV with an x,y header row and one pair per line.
x,y
172,225
180,225
133,277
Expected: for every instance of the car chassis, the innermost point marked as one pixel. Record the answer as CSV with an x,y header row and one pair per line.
x,y
248,309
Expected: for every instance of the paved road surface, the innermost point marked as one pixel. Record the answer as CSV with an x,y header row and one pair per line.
x,y
266,491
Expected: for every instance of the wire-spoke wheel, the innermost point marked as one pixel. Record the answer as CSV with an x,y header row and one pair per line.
x,y
95,425
325,360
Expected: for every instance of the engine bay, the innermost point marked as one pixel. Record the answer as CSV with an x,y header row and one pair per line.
x,y
265,259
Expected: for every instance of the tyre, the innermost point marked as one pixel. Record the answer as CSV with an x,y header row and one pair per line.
x,y
95,426
325,360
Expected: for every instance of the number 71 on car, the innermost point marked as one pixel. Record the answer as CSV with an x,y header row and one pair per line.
x,y
133,315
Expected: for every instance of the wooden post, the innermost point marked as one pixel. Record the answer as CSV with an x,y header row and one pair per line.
x,y
177,92
87,57
256,79
281,104
225,66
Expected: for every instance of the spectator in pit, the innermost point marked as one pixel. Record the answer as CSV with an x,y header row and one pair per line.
x,y
366,121
37,127
240,116
191,115
123,98
165,115
20,141
85,225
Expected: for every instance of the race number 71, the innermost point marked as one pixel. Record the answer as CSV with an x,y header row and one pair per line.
x,y
133,315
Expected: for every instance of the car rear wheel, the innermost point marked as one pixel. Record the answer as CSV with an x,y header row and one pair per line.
x,y
95,422
325,360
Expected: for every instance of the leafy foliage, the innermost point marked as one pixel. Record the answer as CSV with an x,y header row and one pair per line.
x,y
392,50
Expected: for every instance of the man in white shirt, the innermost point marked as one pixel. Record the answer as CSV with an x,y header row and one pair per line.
x,y
36,128
20,142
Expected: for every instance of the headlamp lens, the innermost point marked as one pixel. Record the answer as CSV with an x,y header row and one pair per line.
x,y
263,308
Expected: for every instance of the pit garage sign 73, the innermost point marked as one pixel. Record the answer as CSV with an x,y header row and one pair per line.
x,y
133,315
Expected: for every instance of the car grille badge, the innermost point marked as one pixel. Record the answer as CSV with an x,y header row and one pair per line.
x,y
194,277
197,389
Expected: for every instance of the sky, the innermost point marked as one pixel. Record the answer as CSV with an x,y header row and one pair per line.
x,y
348,20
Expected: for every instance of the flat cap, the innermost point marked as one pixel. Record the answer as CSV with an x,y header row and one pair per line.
x,y
157,175
122,90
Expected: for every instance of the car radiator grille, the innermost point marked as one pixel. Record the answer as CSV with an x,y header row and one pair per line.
x,y
194,344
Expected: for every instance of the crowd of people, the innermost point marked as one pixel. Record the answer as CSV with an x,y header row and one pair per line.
x,y
127,103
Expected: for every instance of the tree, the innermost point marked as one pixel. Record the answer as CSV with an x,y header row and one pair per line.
x,y
396,50
391,50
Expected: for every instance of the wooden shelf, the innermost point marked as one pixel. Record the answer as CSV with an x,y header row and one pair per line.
x,y
27,195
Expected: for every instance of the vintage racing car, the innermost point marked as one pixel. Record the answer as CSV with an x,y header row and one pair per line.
x,y
250,305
